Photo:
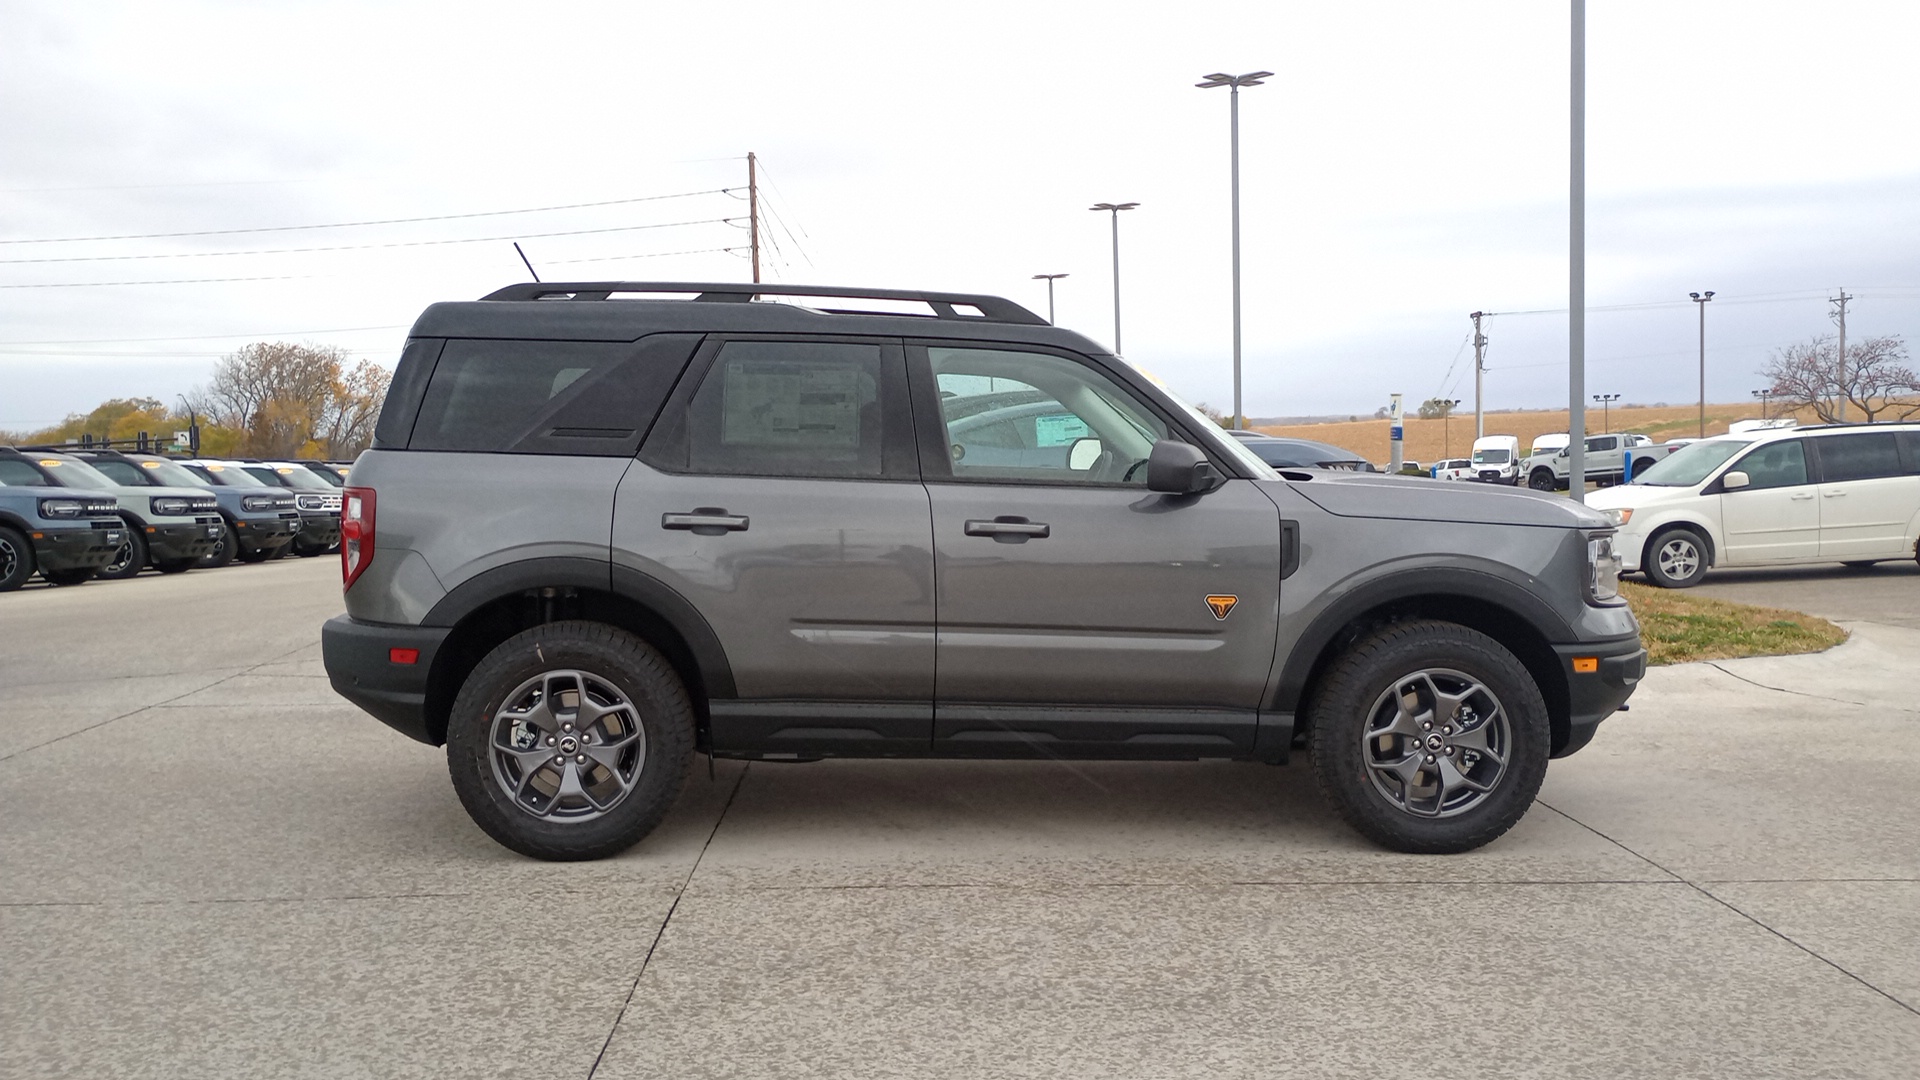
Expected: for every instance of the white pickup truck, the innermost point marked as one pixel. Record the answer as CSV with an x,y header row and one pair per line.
x,y
1607,461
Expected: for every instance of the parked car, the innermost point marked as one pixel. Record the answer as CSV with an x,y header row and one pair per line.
x,y
258,521
1305,454
596,536
168,528
1453,469
1839,493
317,501
63,535
1496,459
1612,458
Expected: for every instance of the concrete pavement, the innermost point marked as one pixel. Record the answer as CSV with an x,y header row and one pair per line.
x,y
212,867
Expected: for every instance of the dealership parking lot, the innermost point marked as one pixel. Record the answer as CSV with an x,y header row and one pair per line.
x,y
215,867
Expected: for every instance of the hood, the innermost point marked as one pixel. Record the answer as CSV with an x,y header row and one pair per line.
x,y
1412,498
1624,495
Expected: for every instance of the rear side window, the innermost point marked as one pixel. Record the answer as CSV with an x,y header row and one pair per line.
x,y
1859,457
548,397
784,408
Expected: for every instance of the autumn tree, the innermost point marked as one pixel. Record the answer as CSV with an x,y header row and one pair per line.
x,y
294,400
1873,378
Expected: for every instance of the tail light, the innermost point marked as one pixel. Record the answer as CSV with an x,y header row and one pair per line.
x,y
356,534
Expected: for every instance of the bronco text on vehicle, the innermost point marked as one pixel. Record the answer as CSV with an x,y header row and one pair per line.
x,y
596,535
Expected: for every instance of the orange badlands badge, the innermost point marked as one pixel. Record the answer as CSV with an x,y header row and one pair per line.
x,y
1221,605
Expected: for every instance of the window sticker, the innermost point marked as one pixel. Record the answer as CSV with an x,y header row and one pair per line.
x,y
781,403
1060,429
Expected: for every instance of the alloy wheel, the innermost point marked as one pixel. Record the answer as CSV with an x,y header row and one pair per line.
x,y
1436,743
1679,558
567,746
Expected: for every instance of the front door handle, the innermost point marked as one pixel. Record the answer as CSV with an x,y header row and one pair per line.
x,y
1009,530
705,521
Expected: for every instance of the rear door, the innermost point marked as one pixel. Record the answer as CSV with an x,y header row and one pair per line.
x,y
1081,614
1776,517
1868,496
779,496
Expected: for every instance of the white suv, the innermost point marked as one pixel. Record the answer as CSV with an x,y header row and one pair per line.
x,y
1844,493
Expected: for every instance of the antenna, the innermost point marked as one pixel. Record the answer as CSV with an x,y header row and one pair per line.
x,y
523,258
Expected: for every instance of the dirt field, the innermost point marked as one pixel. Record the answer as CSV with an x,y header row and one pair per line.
x,y
1429,440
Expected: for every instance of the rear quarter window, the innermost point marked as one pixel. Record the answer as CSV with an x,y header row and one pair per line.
x,y
547,397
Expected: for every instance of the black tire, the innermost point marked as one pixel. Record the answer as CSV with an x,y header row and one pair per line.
x,y
67,577
1346,704
174,566
256,555
1640,468
1686,552
16,559
614,660
224,550
307,552
1541,480
129,560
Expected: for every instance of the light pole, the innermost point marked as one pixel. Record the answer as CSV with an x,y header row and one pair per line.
x,y
1701,299
1606,401
1764,396
1114,209
1234,83
1446,425
1049,279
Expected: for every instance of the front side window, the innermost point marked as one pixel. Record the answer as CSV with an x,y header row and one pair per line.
x,y
788,408
1012,415
1859,457
14,473
1781,464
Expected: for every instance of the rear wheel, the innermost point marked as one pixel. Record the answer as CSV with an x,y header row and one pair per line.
x,y
130,559
1429,737
1676,559
16,559
570,741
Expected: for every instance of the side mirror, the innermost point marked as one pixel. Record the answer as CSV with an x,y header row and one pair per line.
x,y
1177,468
1735,480
1084,452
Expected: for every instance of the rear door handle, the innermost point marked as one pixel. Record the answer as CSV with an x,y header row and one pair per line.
x,y
1009,530
706,521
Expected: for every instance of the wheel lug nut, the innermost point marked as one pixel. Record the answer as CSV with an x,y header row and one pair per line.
x,y
581,760
549,740
1426,727
559,760
1446,731
566,727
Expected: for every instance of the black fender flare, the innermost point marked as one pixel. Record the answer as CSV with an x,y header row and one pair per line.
x,y
1439,582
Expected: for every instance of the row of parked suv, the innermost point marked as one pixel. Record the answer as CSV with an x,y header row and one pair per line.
x,y
70,514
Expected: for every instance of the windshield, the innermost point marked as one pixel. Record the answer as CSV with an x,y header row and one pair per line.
x,y
74,473
300,476
1490,457
230,475
329,474
174,475
1692,463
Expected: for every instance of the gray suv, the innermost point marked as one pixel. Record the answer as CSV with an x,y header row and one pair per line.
x,y
602,529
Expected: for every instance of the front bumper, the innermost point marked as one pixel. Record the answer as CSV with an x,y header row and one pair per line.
x,y
254,534
318,531
85,547
183,540
1601,676
359,662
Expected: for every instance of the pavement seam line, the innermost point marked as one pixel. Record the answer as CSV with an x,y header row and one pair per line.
x,y
1696,887
112,719
662,932
1800,693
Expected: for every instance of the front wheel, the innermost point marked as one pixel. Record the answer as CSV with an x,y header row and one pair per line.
x,y
1541,480
570,741
1429,738
16,559
1676,559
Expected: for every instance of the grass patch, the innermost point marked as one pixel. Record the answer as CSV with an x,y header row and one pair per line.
x,y
1677,626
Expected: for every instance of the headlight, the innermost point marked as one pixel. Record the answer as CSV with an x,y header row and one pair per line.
x,y
62,508
259,502
166,506
1620,516
1603,565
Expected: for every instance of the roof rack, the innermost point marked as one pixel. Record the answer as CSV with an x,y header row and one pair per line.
x,y
944,305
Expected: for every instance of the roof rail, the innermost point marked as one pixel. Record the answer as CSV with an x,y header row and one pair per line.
x,y
990,308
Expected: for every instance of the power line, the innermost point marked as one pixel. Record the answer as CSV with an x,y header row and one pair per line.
x,y
356,224
648,255
365,247
208,337
171,281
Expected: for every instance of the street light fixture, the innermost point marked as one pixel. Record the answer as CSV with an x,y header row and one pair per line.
x,y
1606,401
1765,396
1701,300
1049,279
1234,83
1114,209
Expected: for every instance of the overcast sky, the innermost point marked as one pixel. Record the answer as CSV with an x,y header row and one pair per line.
x,y
1406,166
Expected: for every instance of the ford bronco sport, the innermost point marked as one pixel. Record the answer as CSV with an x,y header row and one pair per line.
x,y
606,526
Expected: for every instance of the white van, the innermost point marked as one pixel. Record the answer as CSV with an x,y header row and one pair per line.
x,y
1496,459
1849,494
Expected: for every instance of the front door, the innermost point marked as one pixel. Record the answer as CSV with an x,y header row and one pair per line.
x,y
778,495
1080,613
1776,517
1867,499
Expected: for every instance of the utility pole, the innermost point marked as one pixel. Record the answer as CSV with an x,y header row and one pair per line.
x,y
1577,261
1840,316
753,214
1479,351
1049,279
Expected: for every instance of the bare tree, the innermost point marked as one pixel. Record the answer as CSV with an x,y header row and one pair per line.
x,y
296,400
1874,379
